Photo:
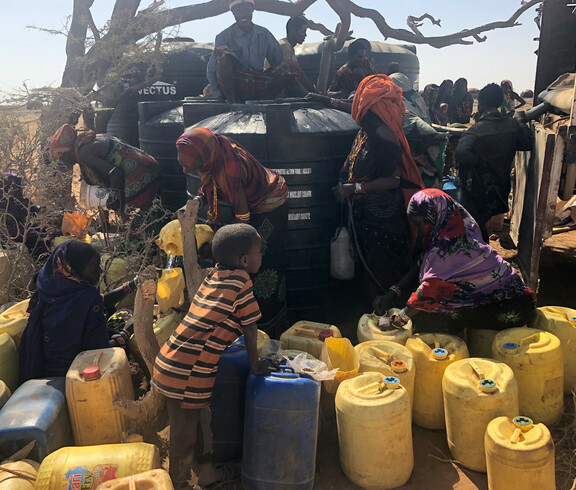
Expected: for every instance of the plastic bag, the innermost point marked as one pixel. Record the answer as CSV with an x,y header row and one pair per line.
x,y
271,349
75,224
312,368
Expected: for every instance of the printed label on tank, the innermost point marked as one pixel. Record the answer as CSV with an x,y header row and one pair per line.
x,y
159,88
299,217
81,478
299,194
292,171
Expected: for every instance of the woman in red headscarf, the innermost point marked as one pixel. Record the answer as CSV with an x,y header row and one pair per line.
x,y
258,196
107,161
380,178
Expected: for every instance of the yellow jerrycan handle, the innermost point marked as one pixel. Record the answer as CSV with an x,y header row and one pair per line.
x,y
528,340
395,366
306,332
476,370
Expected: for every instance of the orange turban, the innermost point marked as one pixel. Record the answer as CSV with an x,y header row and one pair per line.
x,y
63,141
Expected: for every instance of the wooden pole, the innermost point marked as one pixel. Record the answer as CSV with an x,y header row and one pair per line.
x,y
187,218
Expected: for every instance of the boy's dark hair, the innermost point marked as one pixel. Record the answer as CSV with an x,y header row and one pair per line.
x,y
491,95
231,242
295,23
358,45
79,254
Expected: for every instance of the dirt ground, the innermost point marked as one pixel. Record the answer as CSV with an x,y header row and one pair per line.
x,y
433,467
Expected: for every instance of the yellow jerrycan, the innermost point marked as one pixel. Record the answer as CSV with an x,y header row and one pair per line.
x,y
13,321
148,480
561,322
308,336
86,467
374,431
479,341
475,392
170,239
5,393
170,291
18,475
433,353
94,381
536,358
368,329
116,271
519,455
390,359
339,353
8,362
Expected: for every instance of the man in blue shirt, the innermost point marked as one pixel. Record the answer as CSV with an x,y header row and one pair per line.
x,y
236,68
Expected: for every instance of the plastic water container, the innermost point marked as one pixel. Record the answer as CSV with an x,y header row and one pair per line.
x,y
92,196
165,325
280,432
306,336
115,273
170,238
433,353
475,392
479,341
561,322
536,358
8,361
170,290
148,480
36,411
5,393
390,359
339,353
13,321
18,475
519,455
227,403
374,431
368,329
86,467
95,379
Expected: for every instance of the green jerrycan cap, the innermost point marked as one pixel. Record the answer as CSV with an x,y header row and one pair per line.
x,y
487,385
523,423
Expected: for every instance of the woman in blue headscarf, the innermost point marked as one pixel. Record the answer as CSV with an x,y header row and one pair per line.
x,y
68,312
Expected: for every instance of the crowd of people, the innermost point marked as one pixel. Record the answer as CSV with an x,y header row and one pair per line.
x,y
419,249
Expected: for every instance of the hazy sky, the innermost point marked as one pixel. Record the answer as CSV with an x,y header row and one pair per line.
x,y
37,58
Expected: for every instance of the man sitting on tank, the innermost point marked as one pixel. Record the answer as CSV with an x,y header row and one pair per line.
x,y
354,71
296,28
236,68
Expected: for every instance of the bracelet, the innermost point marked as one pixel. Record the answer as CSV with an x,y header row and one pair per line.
x,y
396,290
243,217
126,288
403,317
113,168
358,188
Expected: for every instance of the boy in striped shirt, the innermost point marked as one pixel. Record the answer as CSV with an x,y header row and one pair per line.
x,y
223,309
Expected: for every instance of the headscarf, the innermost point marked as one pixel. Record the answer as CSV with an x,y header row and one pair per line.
x,y
219,161
458,268
64,297
430,94
68,140
379,94
444,92
460,90
509,83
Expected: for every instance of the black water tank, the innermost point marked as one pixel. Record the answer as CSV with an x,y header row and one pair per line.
x,y
309,54
183,75
307,144
162,124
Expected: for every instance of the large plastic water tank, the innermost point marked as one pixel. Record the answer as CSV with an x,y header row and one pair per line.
x,y
309,54
307,145
183,75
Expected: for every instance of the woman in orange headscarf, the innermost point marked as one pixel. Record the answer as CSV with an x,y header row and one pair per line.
x,y
107,161
380,177
258,196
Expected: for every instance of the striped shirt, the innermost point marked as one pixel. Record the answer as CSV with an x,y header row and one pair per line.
x,y
186,366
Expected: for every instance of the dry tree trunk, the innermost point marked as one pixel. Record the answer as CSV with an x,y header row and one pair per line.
x,y
192,270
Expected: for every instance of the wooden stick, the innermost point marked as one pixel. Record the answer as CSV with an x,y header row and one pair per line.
x,y
144,316
190,258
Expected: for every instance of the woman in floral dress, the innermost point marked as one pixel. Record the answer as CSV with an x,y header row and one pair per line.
x,y
464,283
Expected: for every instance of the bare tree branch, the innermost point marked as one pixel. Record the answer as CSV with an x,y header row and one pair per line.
x,y
415,22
